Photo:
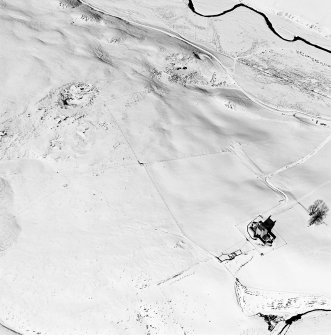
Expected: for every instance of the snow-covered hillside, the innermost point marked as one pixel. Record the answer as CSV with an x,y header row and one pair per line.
x,y
312,15
137,142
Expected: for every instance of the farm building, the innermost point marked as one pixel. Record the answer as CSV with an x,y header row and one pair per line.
x,y
262,230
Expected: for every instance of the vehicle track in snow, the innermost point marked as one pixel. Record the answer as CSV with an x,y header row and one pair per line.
x,y
303,159
266,178
300,161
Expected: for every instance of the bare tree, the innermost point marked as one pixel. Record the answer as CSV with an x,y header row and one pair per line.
x,y
317,211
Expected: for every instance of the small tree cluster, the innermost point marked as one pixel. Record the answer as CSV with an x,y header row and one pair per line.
x,y
317,211
271,320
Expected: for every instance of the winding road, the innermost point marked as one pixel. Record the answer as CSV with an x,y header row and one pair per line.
x,y
266,19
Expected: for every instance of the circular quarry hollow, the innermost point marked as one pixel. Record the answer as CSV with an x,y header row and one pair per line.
x,y
75,95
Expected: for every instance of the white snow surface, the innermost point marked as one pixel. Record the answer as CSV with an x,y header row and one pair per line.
x,y
137,141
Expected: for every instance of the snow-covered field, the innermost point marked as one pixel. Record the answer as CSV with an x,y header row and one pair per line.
x,y
137,142
311,15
